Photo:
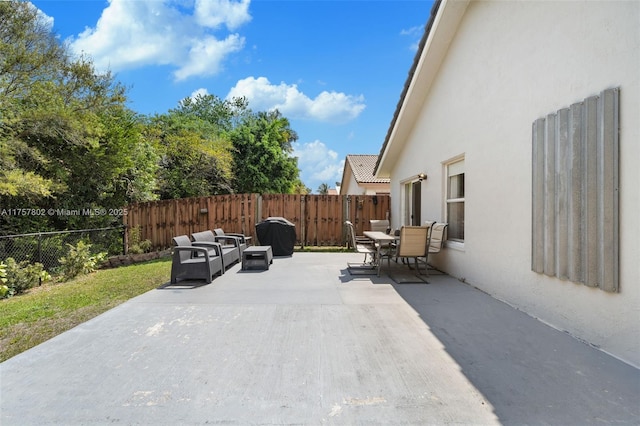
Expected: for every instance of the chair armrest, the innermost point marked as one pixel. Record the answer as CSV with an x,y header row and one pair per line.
x,y
205,245
235,240
242,237
364,240
193,249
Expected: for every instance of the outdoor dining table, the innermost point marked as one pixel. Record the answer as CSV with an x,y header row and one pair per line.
x,y
381,239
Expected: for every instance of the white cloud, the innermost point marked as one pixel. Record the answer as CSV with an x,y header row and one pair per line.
x,y
205,56
212,13
318,164
199,92
291,102
416,34
415,31
43,18
132,34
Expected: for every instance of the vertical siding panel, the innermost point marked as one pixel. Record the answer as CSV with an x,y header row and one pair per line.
x,y
311,205
325,210
230,218
575,191
336,236
562,194
549,196
220,213
163,240
607,154
590,241
250,212
147,224
211,214
234,214
152,223
319,219
236,208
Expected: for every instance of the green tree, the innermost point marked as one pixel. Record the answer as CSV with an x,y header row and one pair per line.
x,y
323,189
195,155
223,115
66,138
28,51
300,188
263,154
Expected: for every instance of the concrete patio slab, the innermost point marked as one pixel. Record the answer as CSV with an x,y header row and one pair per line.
x,y
307,343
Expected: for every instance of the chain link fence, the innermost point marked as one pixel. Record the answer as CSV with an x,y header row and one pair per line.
x,y
48,247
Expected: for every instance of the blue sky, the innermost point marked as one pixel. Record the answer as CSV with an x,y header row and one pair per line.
x,y
335,69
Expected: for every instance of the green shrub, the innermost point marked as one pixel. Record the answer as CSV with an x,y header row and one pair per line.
x,y
135,245
80,261
4,289
22,276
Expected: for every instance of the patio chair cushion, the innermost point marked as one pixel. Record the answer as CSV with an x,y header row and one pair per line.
x,y
229,245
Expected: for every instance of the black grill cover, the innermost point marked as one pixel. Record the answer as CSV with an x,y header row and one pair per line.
x,y
278,233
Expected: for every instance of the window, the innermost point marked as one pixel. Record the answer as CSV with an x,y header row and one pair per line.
x,y
575,192
412,197
455,201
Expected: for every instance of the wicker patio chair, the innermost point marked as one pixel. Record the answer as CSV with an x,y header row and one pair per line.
x,y
243,240
229,245
191,262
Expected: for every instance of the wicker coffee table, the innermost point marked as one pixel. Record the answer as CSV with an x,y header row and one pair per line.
x,y
257,257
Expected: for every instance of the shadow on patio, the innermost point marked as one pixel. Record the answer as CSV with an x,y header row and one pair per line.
x,y
530,372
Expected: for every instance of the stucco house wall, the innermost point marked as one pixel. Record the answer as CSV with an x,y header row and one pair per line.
x,y
497,67
349,184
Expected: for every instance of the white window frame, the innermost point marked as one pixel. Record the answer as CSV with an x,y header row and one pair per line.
x,y
458,164
406,191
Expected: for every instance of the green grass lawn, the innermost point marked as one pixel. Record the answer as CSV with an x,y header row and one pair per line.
x,y
44,312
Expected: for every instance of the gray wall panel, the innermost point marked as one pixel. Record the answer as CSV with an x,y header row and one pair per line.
x,y
590,242
562,194
575,192
550,196
537,211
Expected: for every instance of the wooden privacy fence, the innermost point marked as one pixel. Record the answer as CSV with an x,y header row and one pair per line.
x,y
319,219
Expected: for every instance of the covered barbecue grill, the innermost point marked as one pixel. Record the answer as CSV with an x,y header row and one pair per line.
x,y
278,233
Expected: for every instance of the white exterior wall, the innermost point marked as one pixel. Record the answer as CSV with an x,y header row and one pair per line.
x,y
509,64
352,187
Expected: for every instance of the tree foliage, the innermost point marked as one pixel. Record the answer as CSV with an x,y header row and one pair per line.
x,y
263,154
214,146
196,158
68,141
323,189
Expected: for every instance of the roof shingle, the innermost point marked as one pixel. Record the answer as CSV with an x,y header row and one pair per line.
x,y
363,167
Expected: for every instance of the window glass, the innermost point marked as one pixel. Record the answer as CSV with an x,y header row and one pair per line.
x,y
456,186
455,201
455,214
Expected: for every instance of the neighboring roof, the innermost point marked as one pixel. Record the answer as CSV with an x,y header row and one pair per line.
x,y
407,84
362,167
